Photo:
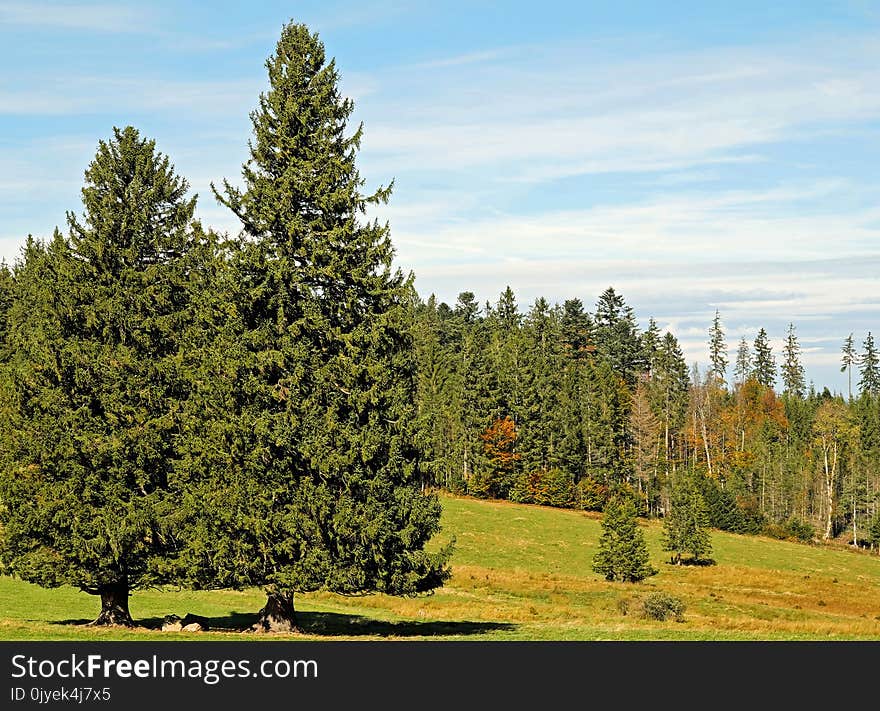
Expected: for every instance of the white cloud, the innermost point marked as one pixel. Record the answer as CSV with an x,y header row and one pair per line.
x,y
98,17
544,114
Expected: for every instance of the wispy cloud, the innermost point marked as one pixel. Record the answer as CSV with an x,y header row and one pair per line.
x,y
97,17
542,115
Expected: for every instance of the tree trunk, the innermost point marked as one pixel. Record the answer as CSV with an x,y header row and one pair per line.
x,y
278,615
114,605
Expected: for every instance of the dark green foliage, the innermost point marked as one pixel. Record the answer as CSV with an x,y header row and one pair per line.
x,y
661,606
792,370
7,293
793,529
616,336
869,369
743,367
552,487
717,350
721,508
307,474
623,554
97,384
576,328
764,364
874,531
685,526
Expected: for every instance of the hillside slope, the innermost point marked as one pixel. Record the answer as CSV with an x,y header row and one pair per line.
x,y
524,572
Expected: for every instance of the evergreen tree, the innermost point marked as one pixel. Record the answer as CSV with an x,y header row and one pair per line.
x,y
743,362
717,350
669,394
792,370
685,526
435,372
7,292
870,367
99,328
622,554
507,312
617,336
848,359
764,366
309,479
543,371
576,329
650,345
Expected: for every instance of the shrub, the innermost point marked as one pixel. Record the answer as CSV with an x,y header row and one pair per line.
x,y
481,485
661,606
794,529
591,495
548,487
521,492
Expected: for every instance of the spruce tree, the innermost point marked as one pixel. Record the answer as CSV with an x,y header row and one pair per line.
x,y
623,553
685,525
792,370
617,336
743,366
848,358
542,381
717,350
308,470
7,286
869,383
506,310
668,394
97,384
764,365
576,329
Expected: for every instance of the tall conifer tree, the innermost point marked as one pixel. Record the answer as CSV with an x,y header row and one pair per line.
x,y
97,386
764,364
792,370
869,370
717,350
743,366
848,358
311,480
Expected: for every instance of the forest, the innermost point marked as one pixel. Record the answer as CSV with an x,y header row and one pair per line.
x,y
561,405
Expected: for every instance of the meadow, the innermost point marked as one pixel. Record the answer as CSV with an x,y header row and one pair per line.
x,y
523,572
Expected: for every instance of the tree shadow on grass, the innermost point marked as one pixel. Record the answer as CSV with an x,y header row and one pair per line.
x,y
699,562
337,624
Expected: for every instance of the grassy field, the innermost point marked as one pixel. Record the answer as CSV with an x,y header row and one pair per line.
x,y
523,573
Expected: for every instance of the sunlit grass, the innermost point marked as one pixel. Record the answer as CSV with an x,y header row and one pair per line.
x,y
524,572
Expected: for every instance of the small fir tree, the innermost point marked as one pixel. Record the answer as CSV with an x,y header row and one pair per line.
x,y
623,554
685,526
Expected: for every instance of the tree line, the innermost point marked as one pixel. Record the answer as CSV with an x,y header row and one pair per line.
x,y
562,406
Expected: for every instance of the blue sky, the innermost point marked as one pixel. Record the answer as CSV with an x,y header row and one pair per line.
x,y
694,155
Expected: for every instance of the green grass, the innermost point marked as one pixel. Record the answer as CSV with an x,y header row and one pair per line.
x,y
524,572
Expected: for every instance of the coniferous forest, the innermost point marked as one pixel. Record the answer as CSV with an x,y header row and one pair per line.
x,y
277,408
562,405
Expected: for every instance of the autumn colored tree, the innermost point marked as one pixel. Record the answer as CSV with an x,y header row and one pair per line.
x,y
499,450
